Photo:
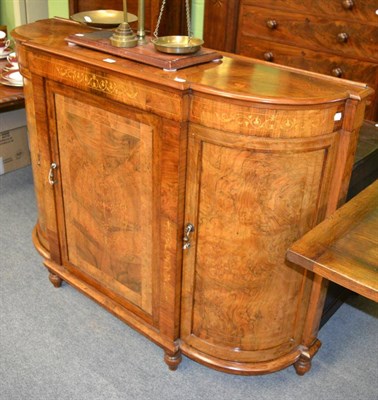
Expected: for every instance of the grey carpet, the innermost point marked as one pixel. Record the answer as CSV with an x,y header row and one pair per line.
x,y
58,344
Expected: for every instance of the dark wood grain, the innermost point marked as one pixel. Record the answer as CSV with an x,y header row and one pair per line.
x,y
311,32
220,27
344,247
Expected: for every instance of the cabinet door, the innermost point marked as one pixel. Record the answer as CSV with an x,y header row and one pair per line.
x,y
249,198
108,195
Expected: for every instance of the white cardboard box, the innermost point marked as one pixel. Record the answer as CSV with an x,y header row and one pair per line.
x,y
14,146
12,119
14,149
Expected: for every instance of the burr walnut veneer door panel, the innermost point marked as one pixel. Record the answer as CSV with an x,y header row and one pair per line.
x,y
107,195
248,199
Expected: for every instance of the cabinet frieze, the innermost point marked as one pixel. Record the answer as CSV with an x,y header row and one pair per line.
x,y
264,121
129,92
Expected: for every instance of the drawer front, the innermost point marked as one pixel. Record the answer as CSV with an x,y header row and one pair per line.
x,y
357,10
351,39
317,62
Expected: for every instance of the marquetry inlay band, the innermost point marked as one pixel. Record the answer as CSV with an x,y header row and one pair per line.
x,y
256,121
93,81
264,122
126,91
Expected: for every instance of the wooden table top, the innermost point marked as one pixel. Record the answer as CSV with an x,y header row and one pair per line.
x,y
11,98
344,247
267,83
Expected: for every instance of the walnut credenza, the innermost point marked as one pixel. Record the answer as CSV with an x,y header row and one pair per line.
x,y
170,198
334,37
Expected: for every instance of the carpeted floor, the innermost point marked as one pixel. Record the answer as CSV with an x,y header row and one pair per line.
x,y
58,344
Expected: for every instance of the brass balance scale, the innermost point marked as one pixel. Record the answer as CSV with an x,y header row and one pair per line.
x,y
124,37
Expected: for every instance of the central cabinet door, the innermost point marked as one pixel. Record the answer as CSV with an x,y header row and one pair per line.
x,y
107,188
248,198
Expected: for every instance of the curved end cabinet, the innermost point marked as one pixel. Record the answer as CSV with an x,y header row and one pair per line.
x,y
170,198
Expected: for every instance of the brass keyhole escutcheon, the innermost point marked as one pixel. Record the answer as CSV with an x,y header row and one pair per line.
x,y
51,179
186,239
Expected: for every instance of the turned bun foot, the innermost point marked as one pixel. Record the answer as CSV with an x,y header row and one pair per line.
x,y
55,280
303,365
173,360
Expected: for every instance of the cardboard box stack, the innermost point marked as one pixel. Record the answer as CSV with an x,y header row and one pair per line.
x,y
14,147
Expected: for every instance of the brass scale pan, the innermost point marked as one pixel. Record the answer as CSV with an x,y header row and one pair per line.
x,y
177,44
105,19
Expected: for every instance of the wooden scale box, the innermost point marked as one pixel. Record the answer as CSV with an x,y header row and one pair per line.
x,y
170,197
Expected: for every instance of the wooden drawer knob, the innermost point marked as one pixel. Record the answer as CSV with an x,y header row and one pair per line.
x,y
268,56
342,37
347,4
271,24
337,72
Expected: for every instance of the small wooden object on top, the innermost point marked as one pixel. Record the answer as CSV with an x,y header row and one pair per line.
x,y
146,54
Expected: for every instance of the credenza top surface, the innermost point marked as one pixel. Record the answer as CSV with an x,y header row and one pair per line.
x,y
235,77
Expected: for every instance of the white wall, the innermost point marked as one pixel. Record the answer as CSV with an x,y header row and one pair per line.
x,y
29,11
36,9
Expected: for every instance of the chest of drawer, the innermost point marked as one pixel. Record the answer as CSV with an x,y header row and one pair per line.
x,y
357,10
351,39
315,61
